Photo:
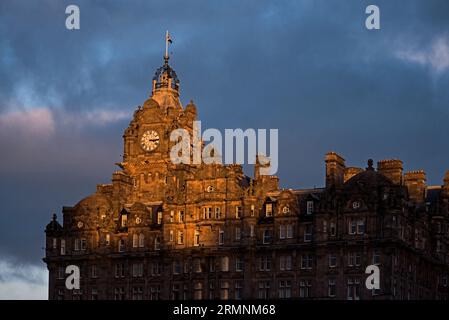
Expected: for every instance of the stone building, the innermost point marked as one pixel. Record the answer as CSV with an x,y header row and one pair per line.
x,y
167,231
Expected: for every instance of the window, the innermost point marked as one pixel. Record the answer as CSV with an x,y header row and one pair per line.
x,y
83,244
180,237
353,289
266,236
155,292
137,270
159,217
121,245
211,290
108,239
119,293
306,261
198,291
282,231
197,265
305,288
309,207
238,233
124,220
307,233
77,244
333,229
238,289
286,209
354,259
376,257
265,263
217,213
176,267
155,269
61,273
94,294
94,271
196,238
332,288
175,292
238,212
221,237
172,216
285,263
285,289
55,243
171,236
264,289
360,227
332,260
239,264
289,231
324,226
137,293
157,243
224,292
211,264
62,247
251,230
269,210
352,227
252,210
120,270
141,240
356,205
225,264
135,240
207,213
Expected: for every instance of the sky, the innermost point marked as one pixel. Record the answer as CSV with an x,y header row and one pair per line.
x,y
308,68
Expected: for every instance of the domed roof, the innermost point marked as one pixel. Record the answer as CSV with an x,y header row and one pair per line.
x,y
368,179
53,226
162,76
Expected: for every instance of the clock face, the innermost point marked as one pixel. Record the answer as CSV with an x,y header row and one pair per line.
x,y
149,140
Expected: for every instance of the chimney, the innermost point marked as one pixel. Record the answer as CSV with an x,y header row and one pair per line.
x,y
415,181
335,169
392,169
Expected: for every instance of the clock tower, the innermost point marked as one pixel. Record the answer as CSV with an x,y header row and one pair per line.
x,y
147,144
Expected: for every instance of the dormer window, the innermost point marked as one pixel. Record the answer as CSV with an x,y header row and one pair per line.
x,y
124,221
309,207
269,210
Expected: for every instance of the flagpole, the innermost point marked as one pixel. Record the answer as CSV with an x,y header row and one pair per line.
x,y
166,45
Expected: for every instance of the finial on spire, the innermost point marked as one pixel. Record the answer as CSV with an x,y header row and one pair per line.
x,y
167,41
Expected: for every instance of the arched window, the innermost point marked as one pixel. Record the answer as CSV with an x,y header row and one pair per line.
x,y
141,240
